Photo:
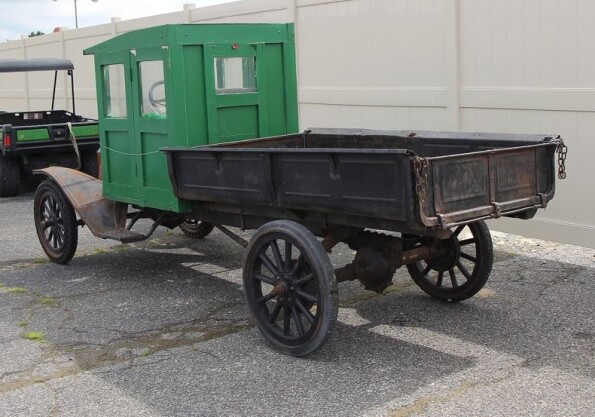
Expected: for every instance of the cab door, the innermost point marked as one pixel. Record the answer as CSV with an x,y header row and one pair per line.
x,y
150,98
116,127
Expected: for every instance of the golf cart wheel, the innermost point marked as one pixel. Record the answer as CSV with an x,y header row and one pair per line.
x,y
464,268
55,222
290,287
10,176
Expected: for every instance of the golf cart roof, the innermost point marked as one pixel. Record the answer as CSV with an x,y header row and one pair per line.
x,y
39,64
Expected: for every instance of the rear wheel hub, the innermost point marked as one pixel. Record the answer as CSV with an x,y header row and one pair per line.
x,y
451,253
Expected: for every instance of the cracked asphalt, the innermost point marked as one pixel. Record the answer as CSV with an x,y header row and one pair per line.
x,y
159,328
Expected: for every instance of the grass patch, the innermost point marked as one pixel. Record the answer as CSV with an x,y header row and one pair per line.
x,y
35,336
17,290
23,323
40,260
145,353
100,251
47,301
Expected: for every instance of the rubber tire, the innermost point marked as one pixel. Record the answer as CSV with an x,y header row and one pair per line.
x,y
320,264
196,230
49,188
479,276
10,176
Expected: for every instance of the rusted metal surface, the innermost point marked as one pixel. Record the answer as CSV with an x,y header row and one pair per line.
x,y
377,258
379,255
104,218
457,189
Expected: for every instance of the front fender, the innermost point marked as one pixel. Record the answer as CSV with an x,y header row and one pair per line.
x,y
85,194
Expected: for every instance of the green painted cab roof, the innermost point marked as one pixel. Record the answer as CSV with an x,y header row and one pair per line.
x,y
196,34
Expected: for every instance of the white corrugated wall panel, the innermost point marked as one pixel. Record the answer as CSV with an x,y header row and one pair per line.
x,y
528,66
356,61
476,65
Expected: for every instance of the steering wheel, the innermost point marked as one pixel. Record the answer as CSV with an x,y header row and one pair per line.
x,y
158,104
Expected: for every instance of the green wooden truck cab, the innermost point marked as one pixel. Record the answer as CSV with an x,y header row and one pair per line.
x,y
187,85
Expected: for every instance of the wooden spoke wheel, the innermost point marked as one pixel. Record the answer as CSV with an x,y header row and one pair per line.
x,y
290,287
55,222
464,268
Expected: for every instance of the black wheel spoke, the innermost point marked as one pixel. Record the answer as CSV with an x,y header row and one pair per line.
x,y
275,312
453,278
304,311
268,264
303,280
286,321
467,242
264,278
426,270
463,270
288,248
266,298
48,208
440,277
298,321
60,236
459,230
277,255
306,296
469,257
298,265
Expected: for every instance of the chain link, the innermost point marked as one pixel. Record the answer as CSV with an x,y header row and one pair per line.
x,y
420,166
562,150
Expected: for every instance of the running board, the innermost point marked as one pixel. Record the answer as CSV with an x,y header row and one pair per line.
x,y
123,235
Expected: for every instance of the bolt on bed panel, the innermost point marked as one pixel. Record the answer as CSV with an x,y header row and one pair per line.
x,y
354,182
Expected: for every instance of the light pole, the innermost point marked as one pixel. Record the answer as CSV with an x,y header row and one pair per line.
x,y
76,15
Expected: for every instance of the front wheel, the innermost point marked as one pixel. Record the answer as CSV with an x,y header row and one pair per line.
x,y
464,268
290,287
55,222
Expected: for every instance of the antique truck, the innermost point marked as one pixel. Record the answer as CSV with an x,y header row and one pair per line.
x,y
198,128
38,139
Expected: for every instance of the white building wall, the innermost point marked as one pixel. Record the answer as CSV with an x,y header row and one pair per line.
x,y
525,66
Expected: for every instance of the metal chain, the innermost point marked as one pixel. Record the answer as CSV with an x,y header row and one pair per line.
x,y
420,167
562,150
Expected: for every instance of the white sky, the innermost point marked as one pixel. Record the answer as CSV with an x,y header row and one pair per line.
x,y
21,17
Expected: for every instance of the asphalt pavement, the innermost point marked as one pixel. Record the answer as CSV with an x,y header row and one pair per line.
x,y
159,328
